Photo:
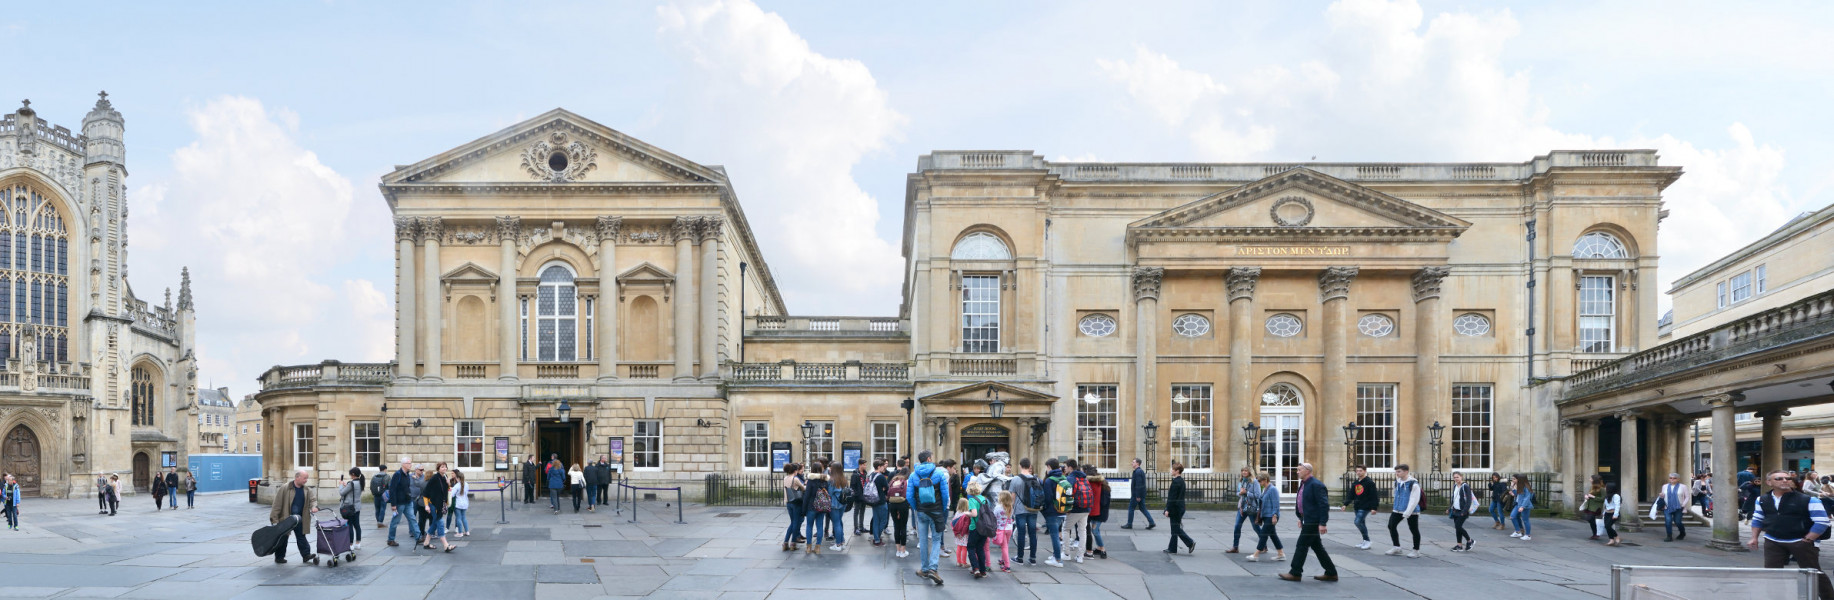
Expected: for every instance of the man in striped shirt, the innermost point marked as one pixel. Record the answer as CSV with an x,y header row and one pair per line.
x,y
1790,522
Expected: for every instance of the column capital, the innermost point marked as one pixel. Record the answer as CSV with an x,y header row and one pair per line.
x,y
1628,414
683,229
1727,399
1334,283
432,229
608,227
1241,282
509,229
709,228
406,228
1427,280
1146,282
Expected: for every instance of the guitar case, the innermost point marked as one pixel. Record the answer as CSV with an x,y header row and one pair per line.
x,y
268,540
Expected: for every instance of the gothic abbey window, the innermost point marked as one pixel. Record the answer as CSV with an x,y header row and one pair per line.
x,y
556,315
34,274
141,395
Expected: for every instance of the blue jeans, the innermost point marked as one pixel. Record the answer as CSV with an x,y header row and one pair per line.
x,y
840,518
818,527
1520,519
1239,518
404,511
173,499
1671,520
1265,530
381,510
190,499
1139,504
796,511
1025,525
880,514
1095,533
554,499
929,539
1360,525
1496,511
1053,528
458,521
592,496
436,527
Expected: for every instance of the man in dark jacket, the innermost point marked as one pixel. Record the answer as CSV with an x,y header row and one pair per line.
x,y
594,478
1053,517
860,475
531,474
1076,524
880,482
378,488
604,479
172,486
1364,499
1314,508
1136,497
294,499
401,496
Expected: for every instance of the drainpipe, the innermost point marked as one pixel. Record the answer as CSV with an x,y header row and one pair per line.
x,y
1530,354
742,266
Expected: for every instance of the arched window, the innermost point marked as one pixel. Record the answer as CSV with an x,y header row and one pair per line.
x,y
1599,244
142,397
1281,394
980,245
556,315
34,274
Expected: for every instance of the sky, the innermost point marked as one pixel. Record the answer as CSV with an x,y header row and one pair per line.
x,y
257,132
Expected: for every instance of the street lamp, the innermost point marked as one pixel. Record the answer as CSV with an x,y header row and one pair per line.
x,y
1152,441
908,405
1350,435
808,431
1436,429
996,405
564,410
1251,435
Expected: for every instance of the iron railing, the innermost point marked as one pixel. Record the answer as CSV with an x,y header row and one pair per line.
x,y
744,489
1436,488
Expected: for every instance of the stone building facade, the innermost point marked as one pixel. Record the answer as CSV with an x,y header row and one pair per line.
x,y
216,419
96,380
1096,302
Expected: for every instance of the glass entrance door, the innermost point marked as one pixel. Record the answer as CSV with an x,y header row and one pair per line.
x,y
1280,448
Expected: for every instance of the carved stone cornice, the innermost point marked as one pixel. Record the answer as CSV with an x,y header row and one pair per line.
x,y
1241,282
710,228
683,228
406,229
1427,281
608,228
509,229
432,229
1724,400
1334,283
1146,282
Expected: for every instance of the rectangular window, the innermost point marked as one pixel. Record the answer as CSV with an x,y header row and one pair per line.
x,y
1741,287
646,445
525,328
586,332
821,445
1191,433
1597,314
1720,291
1375,421
1097,432
366,443
1763,276
302,446
885,441
755,444
468,443
980,313
1471,406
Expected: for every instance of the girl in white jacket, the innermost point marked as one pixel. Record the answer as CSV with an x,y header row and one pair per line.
x,y
1613,505
461,501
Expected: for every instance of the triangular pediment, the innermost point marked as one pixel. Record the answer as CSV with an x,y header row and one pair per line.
x,y
469,272
1299,202
978,392
645,273
556,147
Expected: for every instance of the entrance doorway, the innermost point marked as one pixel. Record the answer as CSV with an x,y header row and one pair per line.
x,y
143,471
980,439
1282,417
21,458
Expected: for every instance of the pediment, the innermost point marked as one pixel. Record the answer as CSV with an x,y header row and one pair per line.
x,y
556,147
977,393
470,272
645,273
1301,203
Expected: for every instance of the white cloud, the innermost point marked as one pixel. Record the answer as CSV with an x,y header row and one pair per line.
x,y
1386,87
793,123
262,223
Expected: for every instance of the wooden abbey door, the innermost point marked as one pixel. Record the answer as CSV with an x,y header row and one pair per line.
x,y
21,458
143,471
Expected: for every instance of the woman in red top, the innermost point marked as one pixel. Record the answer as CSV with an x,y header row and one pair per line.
x,y
1098,514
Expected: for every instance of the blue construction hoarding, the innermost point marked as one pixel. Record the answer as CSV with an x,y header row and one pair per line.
x,y
225,472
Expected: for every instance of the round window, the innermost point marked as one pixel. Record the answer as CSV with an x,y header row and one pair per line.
x,y
557,162
1096,326
1375,325
1284,325
1471,324
1189,325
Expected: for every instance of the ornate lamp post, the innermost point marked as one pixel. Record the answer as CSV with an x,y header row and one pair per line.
x,y
808,431
1350,438
1251,436
1436,430
565,410
995,404
1152,442
909,445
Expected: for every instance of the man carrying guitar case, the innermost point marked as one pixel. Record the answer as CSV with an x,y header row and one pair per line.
x,y
268,540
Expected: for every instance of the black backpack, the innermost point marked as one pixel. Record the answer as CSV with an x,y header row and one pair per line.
x,y
1030,492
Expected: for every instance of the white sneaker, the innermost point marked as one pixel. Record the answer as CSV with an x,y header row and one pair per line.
x,y
1363,546
1526,538
902,554
1516,534
1256,557
1395,551
1079,558
1053,562
1413,554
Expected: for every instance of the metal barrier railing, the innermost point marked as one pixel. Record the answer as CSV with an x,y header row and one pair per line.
x,y
618,504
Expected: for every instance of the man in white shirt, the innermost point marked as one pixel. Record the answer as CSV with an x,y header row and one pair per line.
x,y
1675,497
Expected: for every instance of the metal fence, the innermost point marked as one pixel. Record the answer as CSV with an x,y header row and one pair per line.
x,y
1436,488
744,489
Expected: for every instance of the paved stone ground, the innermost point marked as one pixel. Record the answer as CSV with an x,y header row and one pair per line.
x,y
65,550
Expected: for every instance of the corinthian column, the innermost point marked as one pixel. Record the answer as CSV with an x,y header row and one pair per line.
x,y
1334,293
405,228
683,231
607,318
431,230
1241,285
509,321
1146,282
1414,416
710,228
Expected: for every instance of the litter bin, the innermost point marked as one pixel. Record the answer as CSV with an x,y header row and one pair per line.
x,y
254,485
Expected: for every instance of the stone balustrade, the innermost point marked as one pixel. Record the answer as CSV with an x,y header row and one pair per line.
x,y
792,372
330,372
1809,318
789,326
1245,172
49,376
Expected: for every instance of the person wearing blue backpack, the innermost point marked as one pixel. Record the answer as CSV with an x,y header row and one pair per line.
x,y
928,491
843,502
1029,491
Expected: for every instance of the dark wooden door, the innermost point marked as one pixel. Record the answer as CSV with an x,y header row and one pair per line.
x,y
22,459
143,470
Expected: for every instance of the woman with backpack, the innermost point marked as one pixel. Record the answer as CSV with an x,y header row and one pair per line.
x,y
1463,503
843,501
1269,505
818,503
981,522
901,513
1098,512
792,501
350,497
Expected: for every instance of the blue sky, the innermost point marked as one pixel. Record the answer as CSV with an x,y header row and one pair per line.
x,y
257,131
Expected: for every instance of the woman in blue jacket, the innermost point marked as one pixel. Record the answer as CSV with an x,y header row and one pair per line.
x,y
1525,502
557,481
1265,522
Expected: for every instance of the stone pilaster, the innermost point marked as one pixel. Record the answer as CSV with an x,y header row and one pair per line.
x,y
607,318
1240,283
1429,399
684,313
1334,292
709,230
405,230
1146,284
1629,479
1725,472
431,230
509,316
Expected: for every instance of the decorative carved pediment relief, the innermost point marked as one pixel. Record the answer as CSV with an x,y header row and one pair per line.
x,y
1298,202
557,147
646,274
470,273
977,393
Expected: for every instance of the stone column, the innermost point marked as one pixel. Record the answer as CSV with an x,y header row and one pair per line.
x,y
1429,329
1771,457
1334,392
710,228
509,316
1725,473
1574,480
606,320
1240,283
431,294
1628,475
684,314
1146,282
405,230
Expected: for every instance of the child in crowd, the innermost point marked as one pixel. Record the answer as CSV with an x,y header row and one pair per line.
x,y
1003,510
959,524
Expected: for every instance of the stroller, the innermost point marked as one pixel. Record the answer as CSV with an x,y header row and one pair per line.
x,y
334,539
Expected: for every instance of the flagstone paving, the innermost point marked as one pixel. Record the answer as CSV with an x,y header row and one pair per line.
x,y
65,550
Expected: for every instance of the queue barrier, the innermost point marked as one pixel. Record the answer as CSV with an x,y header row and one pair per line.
x,y
619,506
